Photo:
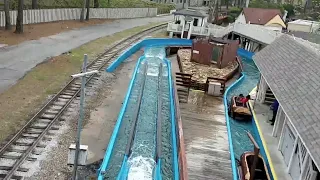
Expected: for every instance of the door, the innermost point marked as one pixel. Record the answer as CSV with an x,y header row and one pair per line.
x,y
288,143
215,54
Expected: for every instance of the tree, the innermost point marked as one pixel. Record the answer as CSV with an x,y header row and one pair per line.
x,y
19,25
34,4
82,10
88,10
96,3
7,14
212,8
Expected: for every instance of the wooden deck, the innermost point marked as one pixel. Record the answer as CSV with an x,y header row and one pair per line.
x,y
205,135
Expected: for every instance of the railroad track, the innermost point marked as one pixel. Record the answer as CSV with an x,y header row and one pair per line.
x,y
23,144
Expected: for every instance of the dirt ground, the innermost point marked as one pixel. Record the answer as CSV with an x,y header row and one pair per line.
x,y
23,99
101,114
200,72
36,31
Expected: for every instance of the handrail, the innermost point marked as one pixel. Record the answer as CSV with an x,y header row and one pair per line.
x,y
159,126
183,171
123,171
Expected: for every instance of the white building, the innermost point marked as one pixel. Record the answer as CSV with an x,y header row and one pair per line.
x,y
303,26
289,67
268,18
188,22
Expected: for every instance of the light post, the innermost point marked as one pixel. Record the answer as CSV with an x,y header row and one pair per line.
x,y
81,113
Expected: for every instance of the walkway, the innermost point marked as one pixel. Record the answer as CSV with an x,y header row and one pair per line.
x,y
263,115
205,135
16,61
206,140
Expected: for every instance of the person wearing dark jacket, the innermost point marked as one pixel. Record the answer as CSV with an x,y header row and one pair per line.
x,y
274,108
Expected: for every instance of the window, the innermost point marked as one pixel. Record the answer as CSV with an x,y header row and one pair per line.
x,y
215,54
195,22
303,152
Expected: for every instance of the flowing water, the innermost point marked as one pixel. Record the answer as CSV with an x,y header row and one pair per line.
x,y
141,161
241,142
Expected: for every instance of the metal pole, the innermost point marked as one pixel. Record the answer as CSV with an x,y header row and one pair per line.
x,y
82,94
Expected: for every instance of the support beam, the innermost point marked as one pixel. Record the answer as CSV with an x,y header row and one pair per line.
x,y
278,120
282,133
295,144
304,167
182,31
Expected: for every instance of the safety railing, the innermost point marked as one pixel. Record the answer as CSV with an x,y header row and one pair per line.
x,y
179,133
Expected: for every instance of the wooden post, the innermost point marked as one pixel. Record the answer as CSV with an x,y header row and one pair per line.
x,y
256,154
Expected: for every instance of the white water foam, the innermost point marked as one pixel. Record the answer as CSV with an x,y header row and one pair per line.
x,y
141,168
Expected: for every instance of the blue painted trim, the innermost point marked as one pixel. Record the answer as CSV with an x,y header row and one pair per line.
x,y
106,158
158,171
173,126
122,174
245,53
225,101
147,42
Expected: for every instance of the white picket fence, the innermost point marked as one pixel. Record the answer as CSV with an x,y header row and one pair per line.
x,y
33,16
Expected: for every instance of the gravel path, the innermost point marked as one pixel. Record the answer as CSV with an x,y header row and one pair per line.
x,y
104,101
16,61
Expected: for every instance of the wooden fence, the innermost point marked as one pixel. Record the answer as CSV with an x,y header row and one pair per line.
x,y
33,16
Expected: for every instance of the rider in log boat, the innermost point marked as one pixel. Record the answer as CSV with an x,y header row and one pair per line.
x,y
239,107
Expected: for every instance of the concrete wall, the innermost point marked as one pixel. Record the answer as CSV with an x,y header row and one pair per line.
x,y
50,15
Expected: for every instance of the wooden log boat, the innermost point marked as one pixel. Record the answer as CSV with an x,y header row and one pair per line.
x,y
246,160
238,111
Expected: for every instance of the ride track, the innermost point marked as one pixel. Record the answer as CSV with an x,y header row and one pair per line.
x,y
50,114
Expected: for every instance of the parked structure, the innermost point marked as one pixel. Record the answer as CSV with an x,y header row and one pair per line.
x,y
188,22
289,68
269,18
214,50
303,26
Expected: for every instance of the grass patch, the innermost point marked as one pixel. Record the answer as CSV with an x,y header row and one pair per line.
x,y
21,101
161,34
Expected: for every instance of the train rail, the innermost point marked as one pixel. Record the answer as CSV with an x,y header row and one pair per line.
x,y
18,149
